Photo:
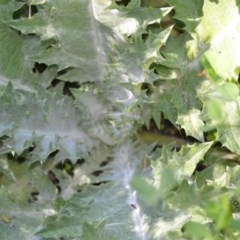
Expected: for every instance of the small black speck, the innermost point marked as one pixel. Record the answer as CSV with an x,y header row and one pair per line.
x,y
97,173
104,163
133,206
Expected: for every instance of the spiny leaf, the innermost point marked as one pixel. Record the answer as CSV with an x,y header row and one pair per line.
x,y
224,112
192,124
188,12
184,162
47,126
19,220
91,40
134,18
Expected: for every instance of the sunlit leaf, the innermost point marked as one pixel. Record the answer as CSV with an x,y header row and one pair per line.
x,y
220,27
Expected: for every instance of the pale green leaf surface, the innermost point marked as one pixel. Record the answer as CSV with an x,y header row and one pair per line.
x,y
93,230
92,206
192,124
175,94
189,156
225,115
145,190
165,106
208,68
47,191
16,65
186,197
14,56
134,18
15,51
214,110
73,34
220,27
111,210
11,55
169,225
178,100
89,38
35,126
27,120
228,129
183,163
229,91
19,220
137,55
80,47
193,228
168,181
25,203
32,129
106,212
218,175
181,105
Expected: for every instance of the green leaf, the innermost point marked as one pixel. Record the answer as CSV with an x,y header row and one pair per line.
x,y
19,220
215,110
196,231
220,27
134,18
6,173
188,157
182,163
219,211
175,53
89,38
186,197
46,190
229,91
145,190
79,80
167,181
50,127
10,43
137,56
64,226
189,12
192,123
212,74
225,113
175,92
93,230
111,219
229,135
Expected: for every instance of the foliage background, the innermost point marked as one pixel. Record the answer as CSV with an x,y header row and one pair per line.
x,y
88,91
